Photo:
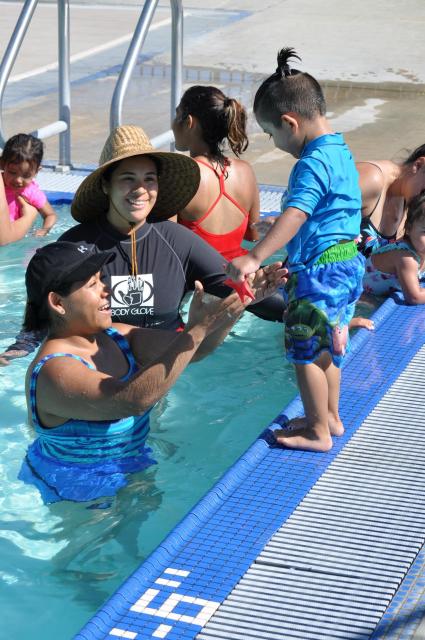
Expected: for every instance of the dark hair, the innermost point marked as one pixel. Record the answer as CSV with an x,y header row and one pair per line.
x,y
106,175
415,211
23,147
38,317
288,90
417,153
221,118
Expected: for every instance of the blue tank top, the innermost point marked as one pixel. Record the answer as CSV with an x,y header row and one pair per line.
x,y
84,459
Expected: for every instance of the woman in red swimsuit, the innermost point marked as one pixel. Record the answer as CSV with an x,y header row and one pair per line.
x,y
227,202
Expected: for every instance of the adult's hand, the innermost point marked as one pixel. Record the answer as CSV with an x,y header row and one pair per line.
x,y
7,356
210,313
264,225
267,279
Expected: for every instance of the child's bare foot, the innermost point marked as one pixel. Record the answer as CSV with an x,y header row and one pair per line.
x,y
335,427
364,323
301,436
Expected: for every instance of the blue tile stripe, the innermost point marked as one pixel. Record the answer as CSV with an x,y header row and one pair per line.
x,y
227,529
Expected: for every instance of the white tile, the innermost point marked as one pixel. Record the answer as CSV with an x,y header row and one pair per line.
x,y
162,631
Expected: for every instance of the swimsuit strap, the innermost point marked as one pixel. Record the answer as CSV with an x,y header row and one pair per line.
x,y
122,343
34,376
223,192
120,340
382,173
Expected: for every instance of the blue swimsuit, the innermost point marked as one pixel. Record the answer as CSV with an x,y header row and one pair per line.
x,y
83,460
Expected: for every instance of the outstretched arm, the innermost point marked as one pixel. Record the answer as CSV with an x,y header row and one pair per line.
x,y
285,228
66,388
407,273
49,219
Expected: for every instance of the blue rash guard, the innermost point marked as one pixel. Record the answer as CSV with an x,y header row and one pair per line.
x,y
324,184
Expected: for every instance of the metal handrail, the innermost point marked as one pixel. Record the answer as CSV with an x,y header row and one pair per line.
x,y
130,61
63,125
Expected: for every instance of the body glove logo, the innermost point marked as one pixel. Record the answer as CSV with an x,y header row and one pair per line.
x,y
132,291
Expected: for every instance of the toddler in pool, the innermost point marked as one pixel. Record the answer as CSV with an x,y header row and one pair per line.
x,y
20,162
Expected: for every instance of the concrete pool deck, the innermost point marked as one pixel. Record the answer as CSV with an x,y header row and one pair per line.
x,y
368,56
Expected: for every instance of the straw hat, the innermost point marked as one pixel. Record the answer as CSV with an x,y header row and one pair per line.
x,y
178,179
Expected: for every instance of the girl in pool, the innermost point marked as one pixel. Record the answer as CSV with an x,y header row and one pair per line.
x,y
20,163
400,265
227,202
92,384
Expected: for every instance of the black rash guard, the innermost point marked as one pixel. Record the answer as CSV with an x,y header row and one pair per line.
x,y
169,260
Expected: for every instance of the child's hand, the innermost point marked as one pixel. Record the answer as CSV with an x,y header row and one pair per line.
x,y
39,233
242,267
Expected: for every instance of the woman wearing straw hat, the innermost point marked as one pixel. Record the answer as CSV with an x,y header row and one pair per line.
x,y
92,384
124,206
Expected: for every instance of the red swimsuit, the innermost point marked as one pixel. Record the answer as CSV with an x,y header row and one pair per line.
x,y
228,244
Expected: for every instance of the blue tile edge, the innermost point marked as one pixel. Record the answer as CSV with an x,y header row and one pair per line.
x,y
118,604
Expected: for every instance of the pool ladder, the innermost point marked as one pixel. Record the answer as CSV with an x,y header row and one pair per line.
x,y
62,126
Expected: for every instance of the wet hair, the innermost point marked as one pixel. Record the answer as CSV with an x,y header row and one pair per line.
x,y
23,147
415,211
221,118
286,90
39,317
414,155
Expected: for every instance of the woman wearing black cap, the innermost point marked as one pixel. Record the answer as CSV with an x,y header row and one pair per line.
x,y
92,384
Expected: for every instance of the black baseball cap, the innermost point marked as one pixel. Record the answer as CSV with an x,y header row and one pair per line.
x,y
61,263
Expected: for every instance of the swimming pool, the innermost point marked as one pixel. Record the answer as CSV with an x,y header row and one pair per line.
x,y
60,562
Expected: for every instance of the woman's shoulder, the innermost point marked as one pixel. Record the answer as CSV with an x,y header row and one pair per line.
x,y
375,173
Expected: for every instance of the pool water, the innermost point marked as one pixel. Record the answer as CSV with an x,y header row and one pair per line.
x,y
60,562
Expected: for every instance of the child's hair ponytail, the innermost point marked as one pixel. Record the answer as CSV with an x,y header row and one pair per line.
x,y
283,70
288,90
220,118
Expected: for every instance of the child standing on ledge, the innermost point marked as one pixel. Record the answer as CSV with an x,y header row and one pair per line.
x,y
319,223
20,162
